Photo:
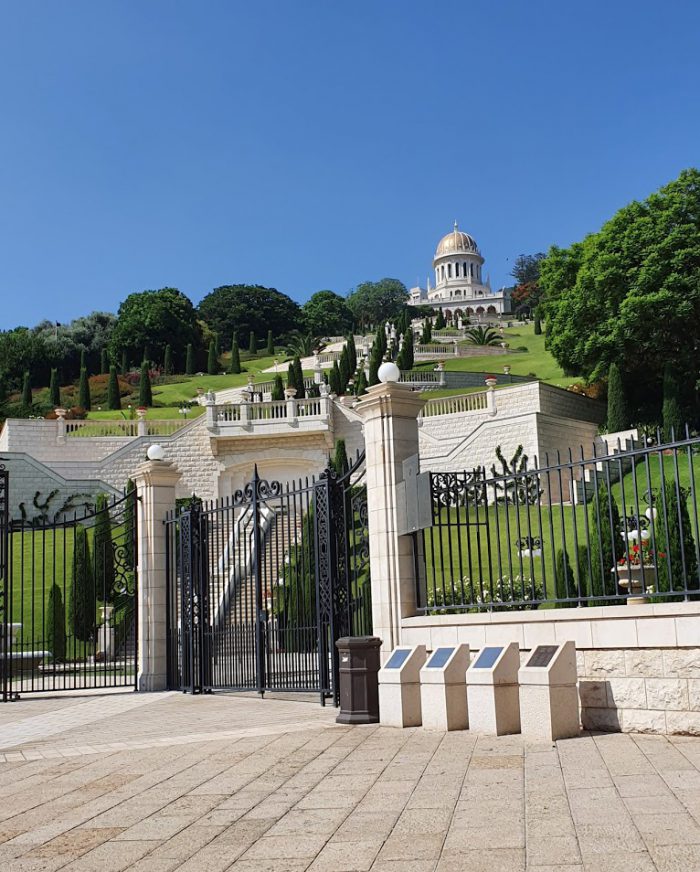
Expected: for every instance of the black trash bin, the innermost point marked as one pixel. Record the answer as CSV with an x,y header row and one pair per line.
x,y
359,687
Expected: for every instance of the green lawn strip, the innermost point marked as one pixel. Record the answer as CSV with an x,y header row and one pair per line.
x,y
464,555
40,558
535,360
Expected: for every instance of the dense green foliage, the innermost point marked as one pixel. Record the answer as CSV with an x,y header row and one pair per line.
x,y
278,388
270,343
618,413
327,314
212,360
113,397
84,398
672,417
630,294
564,580
252,344
54,390
235,366
145,390
189,359
405,359
82,599
340,458
103,552
674,540
299,379
168,368
606,543
155,319
373,303
56,624
246,309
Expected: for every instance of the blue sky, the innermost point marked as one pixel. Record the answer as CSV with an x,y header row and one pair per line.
x,y
307,145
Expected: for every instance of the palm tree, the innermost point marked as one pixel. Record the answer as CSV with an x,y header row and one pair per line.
x,y
302,345
483,336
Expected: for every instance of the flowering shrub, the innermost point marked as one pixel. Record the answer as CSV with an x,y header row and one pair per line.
x,y
641,555
504,595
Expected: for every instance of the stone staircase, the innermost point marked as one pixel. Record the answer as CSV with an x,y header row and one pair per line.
x,y
613,468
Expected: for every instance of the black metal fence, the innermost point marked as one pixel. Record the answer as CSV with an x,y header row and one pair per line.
x,y
260,585
610,529
68,598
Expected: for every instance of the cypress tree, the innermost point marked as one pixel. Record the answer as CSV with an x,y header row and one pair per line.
x,y
103,551
213,361
189,360
145,392
54,390
113,398
252,344
270,344
606,545
83,359
235,367
344,368
299,379
84,390
56,624
671,413
618,414
217,345
129,524
291,377
82,600
278,388
361,384
125,363
168,360
104,362
674,539
27,390
334,379
340,458
440,321
427,335
564,581
352,353
538,323
405,359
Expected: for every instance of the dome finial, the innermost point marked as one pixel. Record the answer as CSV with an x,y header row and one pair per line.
x,y
455,225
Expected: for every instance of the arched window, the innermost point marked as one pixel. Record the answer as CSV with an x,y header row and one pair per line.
x,y
449,270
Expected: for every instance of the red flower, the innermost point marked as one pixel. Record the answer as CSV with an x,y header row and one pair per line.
x,y
635,548
662,553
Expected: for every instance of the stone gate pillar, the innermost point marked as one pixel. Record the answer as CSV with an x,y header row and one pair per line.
x,y
155,483
390,417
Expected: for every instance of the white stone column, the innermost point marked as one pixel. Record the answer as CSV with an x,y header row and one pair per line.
x,y
390,417
61,424
155,484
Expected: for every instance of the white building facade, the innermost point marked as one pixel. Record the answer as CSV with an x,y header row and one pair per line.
x,y
459,289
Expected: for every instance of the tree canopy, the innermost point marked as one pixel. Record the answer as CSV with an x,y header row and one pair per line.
x,y
155,319
376,302
246,309
630,294
327,314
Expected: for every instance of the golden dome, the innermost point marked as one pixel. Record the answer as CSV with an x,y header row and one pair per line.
x,y
456,241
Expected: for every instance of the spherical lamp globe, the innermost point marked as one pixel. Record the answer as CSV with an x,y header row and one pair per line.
x,y
155,452
388,372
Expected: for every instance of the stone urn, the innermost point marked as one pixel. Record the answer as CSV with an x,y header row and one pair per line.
x,y
491,382
290,393
106,613
635,582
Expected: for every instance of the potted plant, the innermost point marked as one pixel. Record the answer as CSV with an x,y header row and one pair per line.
x,y
636,571
491,381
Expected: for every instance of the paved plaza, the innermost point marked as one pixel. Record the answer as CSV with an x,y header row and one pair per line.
x,y
159,782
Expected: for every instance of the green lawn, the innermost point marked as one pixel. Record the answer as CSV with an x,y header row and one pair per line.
x,y
475,546
537,360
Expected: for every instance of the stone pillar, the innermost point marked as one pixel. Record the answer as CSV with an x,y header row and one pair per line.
x,y
61,424
491,396
141,429
390,418
155,484
291,404
210,413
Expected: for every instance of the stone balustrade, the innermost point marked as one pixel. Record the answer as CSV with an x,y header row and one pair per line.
x,y
313,413
477,402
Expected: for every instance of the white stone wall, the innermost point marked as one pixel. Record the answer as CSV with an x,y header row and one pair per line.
x,y
638,666
29,476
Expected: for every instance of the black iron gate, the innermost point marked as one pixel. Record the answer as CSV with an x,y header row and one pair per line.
x,y
67,595
262,585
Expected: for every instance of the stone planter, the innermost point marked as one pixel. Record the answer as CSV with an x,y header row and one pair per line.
x,y
634,582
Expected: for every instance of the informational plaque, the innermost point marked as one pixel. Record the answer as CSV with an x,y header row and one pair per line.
x,y
439,658
542,655
487,658
398,658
